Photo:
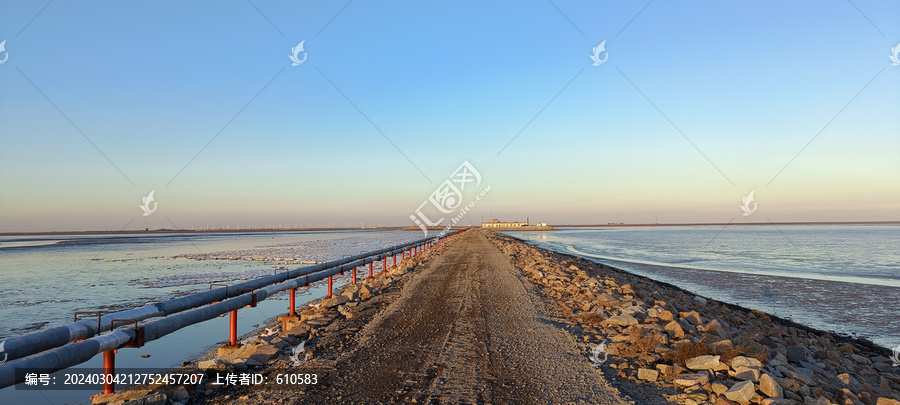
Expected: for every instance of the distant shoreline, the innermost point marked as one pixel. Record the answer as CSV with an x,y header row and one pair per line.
x,y
189,231
730,223
410,228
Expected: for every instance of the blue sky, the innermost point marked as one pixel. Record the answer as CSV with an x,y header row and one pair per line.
x,y
746,85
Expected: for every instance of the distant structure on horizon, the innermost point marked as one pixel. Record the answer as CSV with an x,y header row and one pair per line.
x,y
517,226
495,223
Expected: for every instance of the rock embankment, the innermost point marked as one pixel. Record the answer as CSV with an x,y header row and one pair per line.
x,y
700,350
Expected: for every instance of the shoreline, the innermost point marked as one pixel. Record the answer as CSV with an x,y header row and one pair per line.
x,y
781,320
802,364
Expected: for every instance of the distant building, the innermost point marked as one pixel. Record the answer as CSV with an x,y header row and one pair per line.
x,y
541,224
495,223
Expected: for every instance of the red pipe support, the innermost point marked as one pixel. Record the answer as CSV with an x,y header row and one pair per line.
x,y
109,370
232,328
291,308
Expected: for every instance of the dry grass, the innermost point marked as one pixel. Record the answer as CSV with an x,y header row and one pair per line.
x,y
744,347
688,350
640,342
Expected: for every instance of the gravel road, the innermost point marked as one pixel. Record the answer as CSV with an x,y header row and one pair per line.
x,y
466,328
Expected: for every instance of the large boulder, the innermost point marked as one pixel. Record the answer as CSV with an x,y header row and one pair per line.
x,y
335,301
693,317
768,386
621,320
743,391
707,362
689,380
674,330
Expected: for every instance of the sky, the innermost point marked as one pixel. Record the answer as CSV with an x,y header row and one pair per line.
x,y
695,105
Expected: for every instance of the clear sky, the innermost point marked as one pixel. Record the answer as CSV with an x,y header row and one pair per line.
x,y
698,104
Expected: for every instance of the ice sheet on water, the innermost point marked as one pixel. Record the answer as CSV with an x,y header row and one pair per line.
x,y
287,254
204,278
309,252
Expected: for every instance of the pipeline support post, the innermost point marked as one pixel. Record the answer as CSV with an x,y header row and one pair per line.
x,y
291,301
384,264
354,275
370,270
109,370
232,328
330,282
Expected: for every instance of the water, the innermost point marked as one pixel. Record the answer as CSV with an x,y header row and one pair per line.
x,y
45,280
844,279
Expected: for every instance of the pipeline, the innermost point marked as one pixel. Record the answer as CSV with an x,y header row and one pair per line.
x,y
69,355
38,341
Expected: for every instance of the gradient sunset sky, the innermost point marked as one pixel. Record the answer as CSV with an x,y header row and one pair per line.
x,y
698,104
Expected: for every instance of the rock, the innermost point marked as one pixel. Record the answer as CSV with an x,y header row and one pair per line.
x,y
633,310
707,362
722,346
214,364
700,300
335,301
693,317
666,315
664,369
743,391
607,300
887,401
777,401
621,320
674,330
689,380
647,374
768,386
158,399
716,327
181,394
747,373
741,361
718,388
845,396
351,295
365,292
800,376
796,354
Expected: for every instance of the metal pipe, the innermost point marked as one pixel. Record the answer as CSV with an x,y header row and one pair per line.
x,y
38,341
69,355
330,281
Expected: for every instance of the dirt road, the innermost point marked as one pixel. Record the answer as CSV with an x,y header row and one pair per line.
x,y
466,328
